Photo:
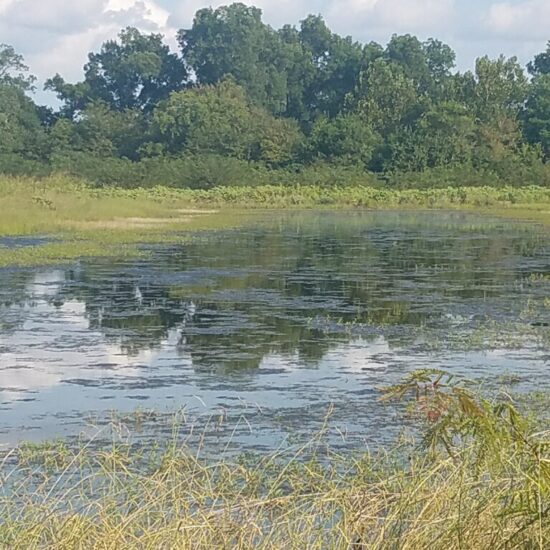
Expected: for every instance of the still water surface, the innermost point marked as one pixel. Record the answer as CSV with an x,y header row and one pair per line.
x,y
252,333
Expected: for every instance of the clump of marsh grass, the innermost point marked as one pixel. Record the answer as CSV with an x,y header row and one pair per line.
x,y
480,478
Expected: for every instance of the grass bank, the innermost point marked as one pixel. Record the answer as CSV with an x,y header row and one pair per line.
x,y
91,221
478,478
83,221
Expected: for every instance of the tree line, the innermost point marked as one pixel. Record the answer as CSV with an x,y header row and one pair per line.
x,y
242,102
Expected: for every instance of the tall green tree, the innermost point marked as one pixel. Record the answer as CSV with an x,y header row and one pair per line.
x,y
336,63
221,120
495,95
385,96
537,115
408,52
344,139
102,132
428,64
541,64
233,41
440,59
443,136
241,90
21,133
499,88
13,71
135,72
300,73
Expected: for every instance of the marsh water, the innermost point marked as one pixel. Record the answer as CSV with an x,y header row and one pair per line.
x,y
258,336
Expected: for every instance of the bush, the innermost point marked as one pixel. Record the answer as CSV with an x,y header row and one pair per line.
x,y
12,164
206,171
201,172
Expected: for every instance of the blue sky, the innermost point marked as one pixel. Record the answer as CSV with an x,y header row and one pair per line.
x,y
56,35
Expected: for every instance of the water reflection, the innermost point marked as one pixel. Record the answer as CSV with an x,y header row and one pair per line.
x,y
273,321
47,344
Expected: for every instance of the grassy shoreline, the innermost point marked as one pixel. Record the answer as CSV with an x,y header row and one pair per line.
x,y
90,221
479,478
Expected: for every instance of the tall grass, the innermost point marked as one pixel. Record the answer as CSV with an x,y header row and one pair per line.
x,y
31,205
480,479
59,203
305,196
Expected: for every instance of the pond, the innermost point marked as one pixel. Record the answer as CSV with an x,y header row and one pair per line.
x,y
259,336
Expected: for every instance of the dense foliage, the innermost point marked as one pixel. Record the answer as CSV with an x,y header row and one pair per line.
x,y
244,103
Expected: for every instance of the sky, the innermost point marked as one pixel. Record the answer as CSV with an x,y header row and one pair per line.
x,y
56,35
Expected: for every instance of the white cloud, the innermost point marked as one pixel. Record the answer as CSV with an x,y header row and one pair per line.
x,y
376,17
57,35
181,15
527,20
145,13
68,53
4,4
54,15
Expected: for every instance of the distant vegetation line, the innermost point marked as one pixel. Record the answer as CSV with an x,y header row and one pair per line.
x,y
243,103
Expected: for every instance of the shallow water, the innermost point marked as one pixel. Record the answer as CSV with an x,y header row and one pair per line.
x,y
253,333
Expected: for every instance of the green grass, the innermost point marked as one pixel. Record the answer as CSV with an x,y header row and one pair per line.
x,y
478,478
91,221
270,196
87,221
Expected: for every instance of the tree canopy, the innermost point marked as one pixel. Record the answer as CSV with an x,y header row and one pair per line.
x,y
283,98
135,72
